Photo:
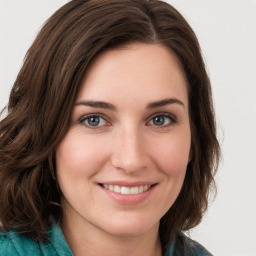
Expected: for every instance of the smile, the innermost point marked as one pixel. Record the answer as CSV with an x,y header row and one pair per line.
x,y
127,190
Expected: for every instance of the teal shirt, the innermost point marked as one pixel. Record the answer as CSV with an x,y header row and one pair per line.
x,y
14,244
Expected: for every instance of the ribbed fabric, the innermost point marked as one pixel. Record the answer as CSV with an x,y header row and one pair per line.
x,y
14,244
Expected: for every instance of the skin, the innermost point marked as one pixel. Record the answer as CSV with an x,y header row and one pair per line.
x,y
134,141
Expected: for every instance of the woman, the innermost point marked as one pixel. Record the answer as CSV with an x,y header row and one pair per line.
x,y
109,145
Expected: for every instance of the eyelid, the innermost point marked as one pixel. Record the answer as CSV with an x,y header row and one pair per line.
x,y
84,117
172,117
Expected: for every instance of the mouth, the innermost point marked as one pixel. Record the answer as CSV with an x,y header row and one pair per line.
x,y
127,190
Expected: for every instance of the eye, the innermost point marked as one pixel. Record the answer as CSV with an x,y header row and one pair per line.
x,y
162,120
93,121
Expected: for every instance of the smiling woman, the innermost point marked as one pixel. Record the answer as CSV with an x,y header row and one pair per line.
x,y
109,144
139,145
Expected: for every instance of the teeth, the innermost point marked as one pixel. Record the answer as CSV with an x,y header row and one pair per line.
x,y
105,186
127,190
141,189
117,189
134,190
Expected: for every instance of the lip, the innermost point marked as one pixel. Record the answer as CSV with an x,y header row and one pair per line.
x,y
128,184
130,199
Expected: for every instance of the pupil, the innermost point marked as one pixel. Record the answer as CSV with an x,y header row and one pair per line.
x,y
159,120
93,121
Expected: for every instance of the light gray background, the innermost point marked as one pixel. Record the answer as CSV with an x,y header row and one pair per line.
x,y
227,32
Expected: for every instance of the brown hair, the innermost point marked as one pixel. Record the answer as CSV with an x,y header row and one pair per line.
x,y
43,95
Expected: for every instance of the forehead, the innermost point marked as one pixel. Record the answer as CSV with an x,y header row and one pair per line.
x,y
151,70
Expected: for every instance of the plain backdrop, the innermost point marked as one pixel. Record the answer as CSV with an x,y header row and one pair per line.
x,y
227,32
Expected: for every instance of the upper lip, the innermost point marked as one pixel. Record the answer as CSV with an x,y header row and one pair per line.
x,y
128,184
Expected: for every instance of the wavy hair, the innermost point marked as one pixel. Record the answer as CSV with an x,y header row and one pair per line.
x,y
43,95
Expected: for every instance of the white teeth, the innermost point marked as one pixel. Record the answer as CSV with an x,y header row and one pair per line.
x,y
105,186
117,189
141,189
127,190
134,190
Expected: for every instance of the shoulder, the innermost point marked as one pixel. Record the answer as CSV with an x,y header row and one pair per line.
x,y
184,245
4,243
14,244
194,248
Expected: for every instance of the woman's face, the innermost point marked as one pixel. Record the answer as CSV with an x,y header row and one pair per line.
x,y
122,163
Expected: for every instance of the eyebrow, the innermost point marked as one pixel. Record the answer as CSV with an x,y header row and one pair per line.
x,y
164,102
105,105
96,104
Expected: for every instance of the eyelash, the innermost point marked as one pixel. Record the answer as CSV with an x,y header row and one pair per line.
x,y
172,120
85,118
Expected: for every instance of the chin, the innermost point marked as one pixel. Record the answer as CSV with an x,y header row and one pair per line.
x,y
130,226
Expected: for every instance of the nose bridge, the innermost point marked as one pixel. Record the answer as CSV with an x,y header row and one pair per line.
x,y
129,149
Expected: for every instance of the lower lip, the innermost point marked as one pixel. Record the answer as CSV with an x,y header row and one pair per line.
x,y
128,199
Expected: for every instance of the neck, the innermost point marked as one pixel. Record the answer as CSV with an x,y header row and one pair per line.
x,y
86,239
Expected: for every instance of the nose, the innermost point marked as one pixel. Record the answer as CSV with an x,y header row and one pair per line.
x,y
129,151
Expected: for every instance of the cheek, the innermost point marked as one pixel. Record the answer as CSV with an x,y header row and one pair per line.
x,y
172,154
77,156
76,164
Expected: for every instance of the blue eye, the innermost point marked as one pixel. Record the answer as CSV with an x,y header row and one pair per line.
x,y
94,121
162,120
